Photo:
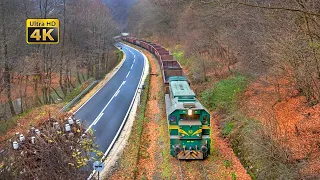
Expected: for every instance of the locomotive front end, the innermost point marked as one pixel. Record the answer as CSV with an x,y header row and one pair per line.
x,y
189,122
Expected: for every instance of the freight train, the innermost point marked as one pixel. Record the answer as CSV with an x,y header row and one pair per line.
x,y
188,121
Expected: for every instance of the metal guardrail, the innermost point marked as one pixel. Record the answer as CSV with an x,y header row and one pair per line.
x,y
78,97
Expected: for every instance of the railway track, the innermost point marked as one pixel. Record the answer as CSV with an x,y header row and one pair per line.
x,y
205,175
202,169
180,169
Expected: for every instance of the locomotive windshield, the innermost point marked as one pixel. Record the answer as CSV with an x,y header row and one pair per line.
x,y
189,117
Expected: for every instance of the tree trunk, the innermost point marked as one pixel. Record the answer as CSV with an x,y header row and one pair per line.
x,y
7,81
107,60
62,50
25,91
78,74
20,91
204,70
6,74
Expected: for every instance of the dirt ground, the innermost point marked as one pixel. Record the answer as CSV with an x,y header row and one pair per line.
x,y
295,123
147,163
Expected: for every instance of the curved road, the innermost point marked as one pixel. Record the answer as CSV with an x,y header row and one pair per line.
x,y
106,110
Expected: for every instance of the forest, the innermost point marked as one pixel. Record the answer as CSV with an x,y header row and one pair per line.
x,y
34,75
256,65
36,81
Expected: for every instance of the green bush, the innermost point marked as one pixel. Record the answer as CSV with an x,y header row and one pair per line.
x,y
227,163
223,95
179,55
119,55
233,176
227,129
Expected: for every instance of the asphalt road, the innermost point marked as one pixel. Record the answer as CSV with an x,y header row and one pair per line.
x,y
106,110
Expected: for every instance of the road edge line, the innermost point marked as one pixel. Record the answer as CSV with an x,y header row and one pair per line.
x,y
142,80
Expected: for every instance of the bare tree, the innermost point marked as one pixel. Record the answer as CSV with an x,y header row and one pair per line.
x,y
43,72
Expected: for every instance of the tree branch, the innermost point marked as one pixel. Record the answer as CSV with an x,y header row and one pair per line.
x,y
264,7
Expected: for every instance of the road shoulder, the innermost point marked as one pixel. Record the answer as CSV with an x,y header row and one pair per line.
x,y
116,151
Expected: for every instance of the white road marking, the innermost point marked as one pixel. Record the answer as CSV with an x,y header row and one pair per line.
x,y
116,94
131,66
134,60
98,118
128,74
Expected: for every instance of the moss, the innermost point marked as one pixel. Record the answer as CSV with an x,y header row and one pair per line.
x,y
140,119
165,150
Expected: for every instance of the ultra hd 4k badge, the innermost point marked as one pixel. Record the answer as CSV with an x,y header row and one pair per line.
x,y
42,31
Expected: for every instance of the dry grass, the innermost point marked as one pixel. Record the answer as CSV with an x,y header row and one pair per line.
x,y
292,120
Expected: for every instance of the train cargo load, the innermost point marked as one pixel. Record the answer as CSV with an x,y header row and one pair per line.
x,y
169,69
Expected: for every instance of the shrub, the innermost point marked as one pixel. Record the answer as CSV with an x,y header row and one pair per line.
x,y
223,95
179,55
233,176
55,153
227,129
119,55
263,157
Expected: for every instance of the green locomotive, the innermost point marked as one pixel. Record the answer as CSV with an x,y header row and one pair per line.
x,y
188,121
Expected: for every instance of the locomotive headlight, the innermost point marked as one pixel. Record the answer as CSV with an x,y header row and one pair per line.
x,y
189,112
